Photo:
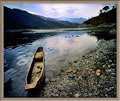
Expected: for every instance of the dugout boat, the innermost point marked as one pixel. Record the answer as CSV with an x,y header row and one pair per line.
x,y
36,74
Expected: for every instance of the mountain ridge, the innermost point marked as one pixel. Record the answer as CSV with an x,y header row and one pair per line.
x,y
16,18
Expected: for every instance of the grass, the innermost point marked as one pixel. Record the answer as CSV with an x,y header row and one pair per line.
x,y
90,29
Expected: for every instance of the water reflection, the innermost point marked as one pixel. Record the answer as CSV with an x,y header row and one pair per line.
x,y
62,46
102,35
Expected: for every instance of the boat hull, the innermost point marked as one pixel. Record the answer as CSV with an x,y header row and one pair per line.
x,y
36,74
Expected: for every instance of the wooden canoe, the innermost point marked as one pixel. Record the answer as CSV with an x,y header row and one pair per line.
x,y
36,74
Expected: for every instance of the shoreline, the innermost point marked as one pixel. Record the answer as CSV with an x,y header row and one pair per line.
x,y
93,75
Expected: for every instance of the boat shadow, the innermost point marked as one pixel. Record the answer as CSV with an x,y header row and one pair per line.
x,y
36,92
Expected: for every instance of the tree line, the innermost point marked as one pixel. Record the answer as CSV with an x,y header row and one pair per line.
x,y
105,9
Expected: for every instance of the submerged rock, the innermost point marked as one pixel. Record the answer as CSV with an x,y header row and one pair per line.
x,y
71,76
68,71
98,72
77,95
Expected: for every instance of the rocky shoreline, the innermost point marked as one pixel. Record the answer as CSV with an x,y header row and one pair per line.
x,y
93,75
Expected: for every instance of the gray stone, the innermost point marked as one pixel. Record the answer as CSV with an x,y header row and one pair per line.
x,y
77,95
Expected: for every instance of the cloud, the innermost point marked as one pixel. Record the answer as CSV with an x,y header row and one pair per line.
x,y
56,10
70,10
32,12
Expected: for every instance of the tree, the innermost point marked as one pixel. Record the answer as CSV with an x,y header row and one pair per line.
x,y
113,7
105,8
100,11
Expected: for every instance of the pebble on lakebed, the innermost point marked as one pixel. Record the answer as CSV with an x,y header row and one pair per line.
x,y
98,72
85,79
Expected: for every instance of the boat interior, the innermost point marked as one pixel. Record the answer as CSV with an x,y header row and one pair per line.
x,y
36,69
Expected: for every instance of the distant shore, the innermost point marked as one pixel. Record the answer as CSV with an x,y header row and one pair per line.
x,y
25,36
93,75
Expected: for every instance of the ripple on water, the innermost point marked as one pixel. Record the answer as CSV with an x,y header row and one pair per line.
x,y
21,56
19,53
5,63
23,59
21,62
9,74
30,54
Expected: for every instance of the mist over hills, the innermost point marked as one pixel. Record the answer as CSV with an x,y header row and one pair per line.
x,y
73,20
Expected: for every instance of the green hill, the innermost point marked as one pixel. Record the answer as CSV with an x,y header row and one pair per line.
x,y
104,18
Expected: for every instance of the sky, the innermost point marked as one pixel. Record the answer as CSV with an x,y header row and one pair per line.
x,y
57,10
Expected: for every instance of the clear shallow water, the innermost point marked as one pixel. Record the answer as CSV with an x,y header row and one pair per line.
x,y
61,46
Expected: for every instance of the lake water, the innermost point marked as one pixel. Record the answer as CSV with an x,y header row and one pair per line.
x,y
59,47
